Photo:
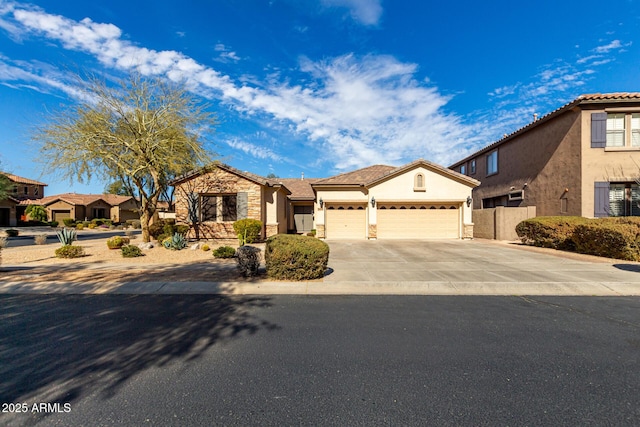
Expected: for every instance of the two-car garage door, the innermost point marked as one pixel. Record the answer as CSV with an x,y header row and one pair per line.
x,y
395,221
420,221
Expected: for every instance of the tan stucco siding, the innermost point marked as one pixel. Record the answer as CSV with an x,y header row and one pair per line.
x,y
546,159
604,164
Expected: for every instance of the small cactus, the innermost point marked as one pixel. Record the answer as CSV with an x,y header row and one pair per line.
x,y
176,242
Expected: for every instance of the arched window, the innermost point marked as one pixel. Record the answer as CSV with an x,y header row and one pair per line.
x,y
418,182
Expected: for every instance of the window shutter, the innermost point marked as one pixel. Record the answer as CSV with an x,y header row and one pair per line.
x,y
598,130
601,200
243,205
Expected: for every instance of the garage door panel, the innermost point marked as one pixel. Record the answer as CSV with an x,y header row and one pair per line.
x,y
425,222
345,223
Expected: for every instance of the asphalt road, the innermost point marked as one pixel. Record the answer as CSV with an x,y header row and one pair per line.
x,y
294,360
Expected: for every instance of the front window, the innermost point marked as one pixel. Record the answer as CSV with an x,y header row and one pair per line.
x,y
219,207
418,182
615,130
492,162
624,199
463,169
472,167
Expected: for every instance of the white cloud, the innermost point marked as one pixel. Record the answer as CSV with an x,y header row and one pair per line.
x,y
226,54
254,150
358,110
616,44
367,12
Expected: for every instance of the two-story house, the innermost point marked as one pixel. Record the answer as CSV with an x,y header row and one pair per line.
x,y
582,159
20,190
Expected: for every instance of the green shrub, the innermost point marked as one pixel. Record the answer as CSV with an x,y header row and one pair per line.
x,y
131,251
162,237
248,230
293,257
79,226
69,251
609,238
69,222
134,223
549,231
12,232
36,212
162,226
224,252
182,229
117,242
53,223
176,242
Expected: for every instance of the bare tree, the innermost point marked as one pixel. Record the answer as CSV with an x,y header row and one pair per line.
x,y
141,132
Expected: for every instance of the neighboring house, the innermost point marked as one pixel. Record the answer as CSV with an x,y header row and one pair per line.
x,y
417,200
11,210
82,207
582,159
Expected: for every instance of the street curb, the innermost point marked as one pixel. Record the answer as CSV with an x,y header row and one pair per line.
x,y
323,288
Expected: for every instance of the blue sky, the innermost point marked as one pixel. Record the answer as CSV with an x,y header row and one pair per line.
x,y
320,86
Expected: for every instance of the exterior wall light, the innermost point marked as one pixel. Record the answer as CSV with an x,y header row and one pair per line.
x,y
469,200
373,202
321,202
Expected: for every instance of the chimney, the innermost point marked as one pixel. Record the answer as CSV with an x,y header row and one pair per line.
x,y
302,177
535,116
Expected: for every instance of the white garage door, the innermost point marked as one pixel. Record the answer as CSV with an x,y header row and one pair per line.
x,y
345,222
405,221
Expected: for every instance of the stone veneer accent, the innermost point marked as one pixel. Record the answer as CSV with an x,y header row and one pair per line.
x,y
272,229
218,181
373,231
468,231
320,231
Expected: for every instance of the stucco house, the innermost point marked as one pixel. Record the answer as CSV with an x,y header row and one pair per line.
x,y
89,206
11,209
582,159
417,200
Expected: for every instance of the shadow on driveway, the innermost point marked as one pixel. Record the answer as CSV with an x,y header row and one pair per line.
x,y
63,348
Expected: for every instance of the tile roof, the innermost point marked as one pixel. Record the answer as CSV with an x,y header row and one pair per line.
x,y
300,188
21,180
585,99
83,199
357,177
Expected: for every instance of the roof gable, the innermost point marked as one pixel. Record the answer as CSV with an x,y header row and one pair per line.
x,y
20,180
441,170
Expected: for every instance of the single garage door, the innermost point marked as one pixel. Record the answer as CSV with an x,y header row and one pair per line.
x,y
60,215
345,222
424,221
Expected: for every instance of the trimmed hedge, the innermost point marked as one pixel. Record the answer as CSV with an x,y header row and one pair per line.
x,y
549,231
617,238
69,251
293,257
611,239
117,242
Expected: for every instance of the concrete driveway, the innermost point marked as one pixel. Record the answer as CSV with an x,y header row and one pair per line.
x,y
477,267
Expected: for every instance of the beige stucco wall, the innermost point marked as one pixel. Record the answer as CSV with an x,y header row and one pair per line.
x,y
337,195
61,206
605,164
275,210
500,223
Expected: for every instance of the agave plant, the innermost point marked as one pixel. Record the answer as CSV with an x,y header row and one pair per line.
x,y
66,236
176,242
